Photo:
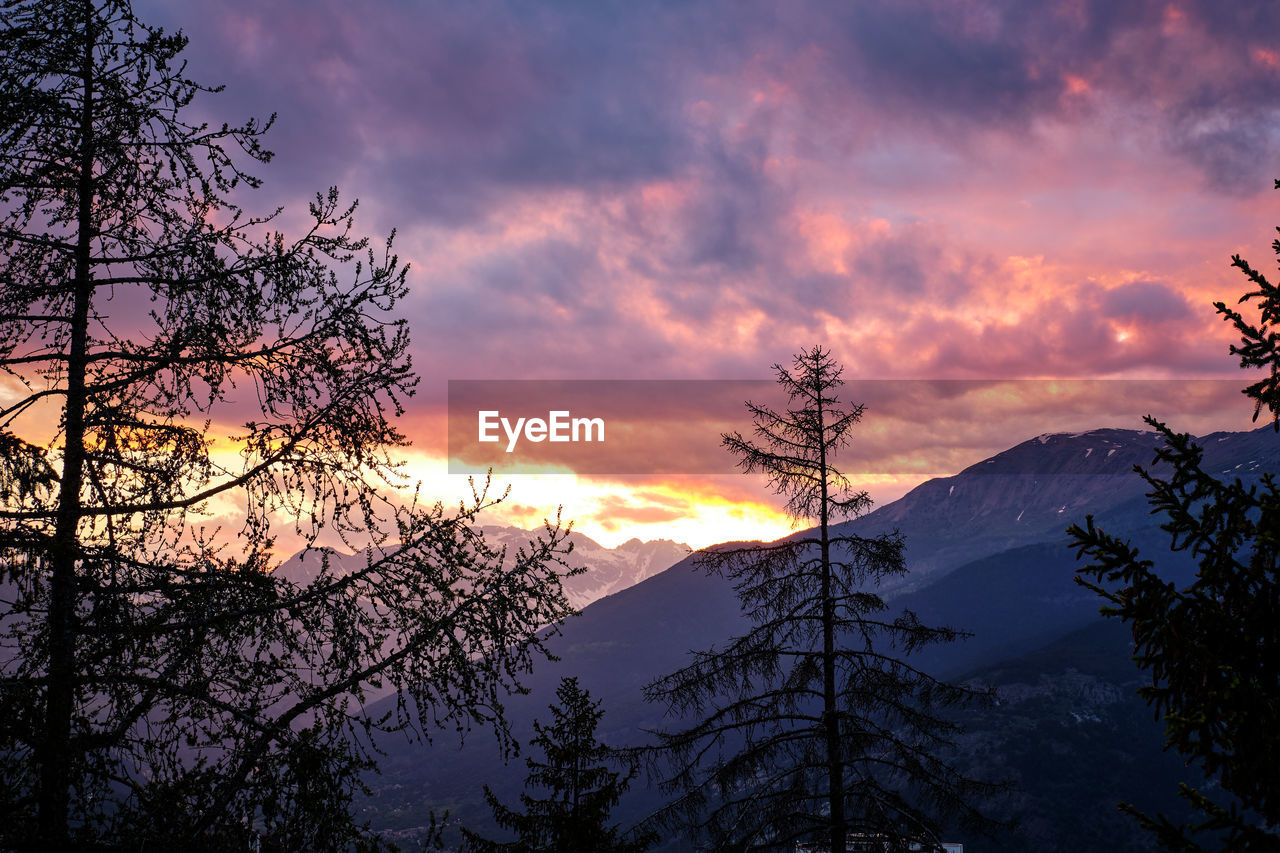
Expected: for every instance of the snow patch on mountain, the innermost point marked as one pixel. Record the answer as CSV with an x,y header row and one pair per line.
x,y
608,570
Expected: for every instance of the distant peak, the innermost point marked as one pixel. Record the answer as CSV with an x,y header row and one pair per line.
x,y
1100,432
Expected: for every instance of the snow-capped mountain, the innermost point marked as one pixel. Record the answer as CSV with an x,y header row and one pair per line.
x,y
608,570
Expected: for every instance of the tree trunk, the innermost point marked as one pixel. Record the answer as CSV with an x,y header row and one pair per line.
x,y
835,766
55,765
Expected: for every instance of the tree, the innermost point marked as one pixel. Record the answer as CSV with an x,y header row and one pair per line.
x,y
575,771
160,683
812,726
1211,648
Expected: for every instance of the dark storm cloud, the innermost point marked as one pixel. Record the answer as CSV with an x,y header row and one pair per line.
x,y
919,55
440,108
444,108
1150,301
994,65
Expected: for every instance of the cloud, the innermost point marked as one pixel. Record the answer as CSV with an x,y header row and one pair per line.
x,y
954,59
618,512
443,109
971,189
1151,301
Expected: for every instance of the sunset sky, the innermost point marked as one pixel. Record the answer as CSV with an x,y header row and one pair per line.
x,y
674,191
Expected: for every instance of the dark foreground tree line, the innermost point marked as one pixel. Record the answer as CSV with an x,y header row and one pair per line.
x,y
162,688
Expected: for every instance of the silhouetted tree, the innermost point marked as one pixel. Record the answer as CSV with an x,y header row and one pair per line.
x,y
813,725
160,684
575,771
1211,648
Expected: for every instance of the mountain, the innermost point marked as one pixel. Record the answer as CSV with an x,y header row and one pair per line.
x,y
608,570
1070,732
987,553
1031,492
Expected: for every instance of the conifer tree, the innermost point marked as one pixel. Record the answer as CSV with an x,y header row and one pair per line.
x,y
580,788
812,726
1211,649
160,685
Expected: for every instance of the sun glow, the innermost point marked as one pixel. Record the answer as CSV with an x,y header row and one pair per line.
x,y
698,511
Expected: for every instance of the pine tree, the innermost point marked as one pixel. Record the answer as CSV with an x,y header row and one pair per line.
x,y
581,789
160,684
1211,648
812,726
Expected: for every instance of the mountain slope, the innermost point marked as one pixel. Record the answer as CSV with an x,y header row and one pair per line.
x,y
987,551
1031,492
1070,732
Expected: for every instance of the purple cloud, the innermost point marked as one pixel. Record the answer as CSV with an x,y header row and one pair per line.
x,y
613,189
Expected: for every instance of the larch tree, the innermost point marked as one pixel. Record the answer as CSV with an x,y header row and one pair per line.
x,y
813,726
569,792
1210,649
160,685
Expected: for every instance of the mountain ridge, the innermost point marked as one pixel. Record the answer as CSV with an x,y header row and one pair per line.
x,y
973,565
609,570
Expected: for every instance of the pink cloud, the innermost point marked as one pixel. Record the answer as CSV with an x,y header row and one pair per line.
x,y
935,189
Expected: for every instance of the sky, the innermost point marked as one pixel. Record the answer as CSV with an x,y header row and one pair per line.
x,y
943,190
